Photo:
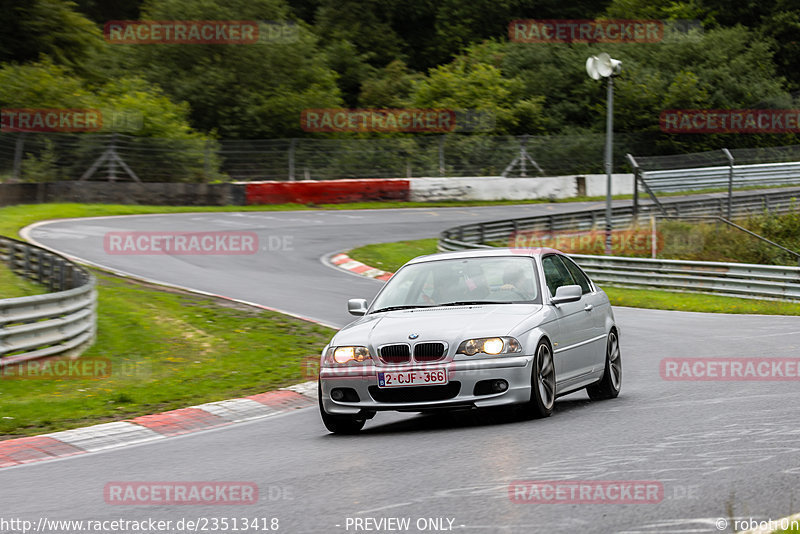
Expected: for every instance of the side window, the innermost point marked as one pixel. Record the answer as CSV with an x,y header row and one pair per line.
x,y
578,275
555,273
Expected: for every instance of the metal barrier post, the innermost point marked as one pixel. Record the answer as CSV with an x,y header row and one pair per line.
x,y
730,179
635,166
292,149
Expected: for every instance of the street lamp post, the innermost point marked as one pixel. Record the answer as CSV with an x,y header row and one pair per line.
x,y
603,66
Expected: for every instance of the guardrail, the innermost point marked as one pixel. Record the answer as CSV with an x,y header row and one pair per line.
x,y
762,174
53,324
735,279
676,178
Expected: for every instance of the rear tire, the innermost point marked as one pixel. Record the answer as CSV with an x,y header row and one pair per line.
x,y
543,383
338,424
610,385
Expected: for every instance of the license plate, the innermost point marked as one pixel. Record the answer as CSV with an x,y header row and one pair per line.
x,y
427,377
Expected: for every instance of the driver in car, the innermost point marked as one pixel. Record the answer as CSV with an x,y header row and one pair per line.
x,y
515,279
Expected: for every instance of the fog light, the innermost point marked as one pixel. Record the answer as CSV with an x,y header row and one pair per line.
x,y
337,394
499,386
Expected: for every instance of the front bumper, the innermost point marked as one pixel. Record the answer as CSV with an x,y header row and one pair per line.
x,y
516,370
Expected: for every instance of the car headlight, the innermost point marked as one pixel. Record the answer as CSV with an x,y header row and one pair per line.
x,y
489,345
347,355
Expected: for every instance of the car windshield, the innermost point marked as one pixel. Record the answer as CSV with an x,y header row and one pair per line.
x,y
489,280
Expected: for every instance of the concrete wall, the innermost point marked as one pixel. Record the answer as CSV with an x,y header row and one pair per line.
x,y
621,184
491,188
316,192
499,188
11,194
167,194
326,192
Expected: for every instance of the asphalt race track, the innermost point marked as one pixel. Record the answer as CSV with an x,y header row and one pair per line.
x,y
721,449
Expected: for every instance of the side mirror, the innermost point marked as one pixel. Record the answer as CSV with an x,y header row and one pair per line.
x,y
567,294
359,306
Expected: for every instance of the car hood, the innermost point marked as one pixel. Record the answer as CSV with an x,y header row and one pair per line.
x,y
452,325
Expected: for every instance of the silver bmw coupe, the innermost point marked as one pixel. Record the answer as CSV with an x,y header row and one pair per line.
x,y
476,329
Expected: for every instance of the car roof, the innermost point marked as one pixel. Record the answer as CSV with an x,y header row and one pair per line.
x,y
486,253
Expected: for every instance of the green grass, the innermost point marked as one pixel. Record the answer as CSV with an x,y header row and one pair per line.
x,y
671,300
167,350
793,527
13,285
699,241
391,256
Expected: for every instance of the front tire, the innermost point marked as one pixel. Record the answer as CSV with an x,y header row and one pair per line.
x,y
338,424
610,385
543,383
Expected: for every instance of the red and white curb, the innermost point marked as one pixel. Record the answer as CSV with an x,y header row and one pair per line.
x,y
20,451
345,262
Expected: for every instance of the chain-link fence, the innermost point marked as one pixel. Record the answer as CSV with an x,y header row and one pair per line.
x,y
713,158
35,157
724,169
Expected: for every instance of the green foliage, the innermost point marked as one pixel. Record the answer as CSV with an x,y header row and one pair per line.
x,y
239,91
390,87
101,11
409,53
351,67
474,85
146,110
656,9
720,242
362,23
41,167
46,85
48,27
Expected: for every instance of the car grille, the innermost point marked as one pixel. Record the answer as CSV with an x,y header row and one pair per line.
x,y
395,353
415,393
428,352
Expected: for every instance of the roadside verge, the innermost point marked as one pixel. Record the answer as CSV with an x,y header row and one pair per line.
x,y
20,451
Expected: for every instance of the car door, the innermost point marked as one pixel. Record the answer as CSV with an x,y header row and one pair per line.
x,y
598,309
573,355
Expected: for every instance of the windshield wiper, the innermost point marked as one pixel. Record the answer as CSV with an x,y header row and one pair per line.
x,y
472,302
406,307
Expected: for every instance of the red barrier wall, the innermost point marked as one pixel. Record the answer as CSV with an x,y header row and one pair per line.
x,y
327,191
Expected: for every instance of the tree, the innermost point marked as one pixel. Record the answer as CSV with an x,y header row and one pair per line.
x,y
240,91
390,87
470,84
49,28
145,112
